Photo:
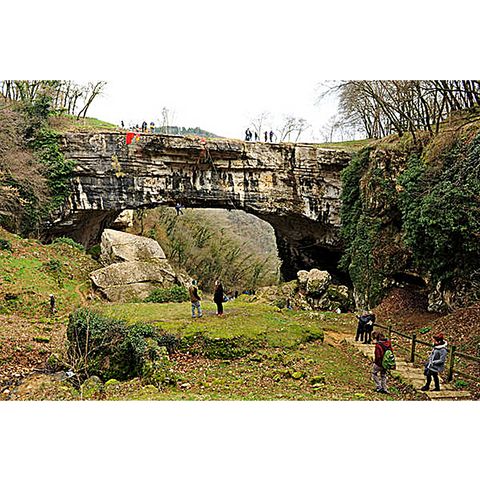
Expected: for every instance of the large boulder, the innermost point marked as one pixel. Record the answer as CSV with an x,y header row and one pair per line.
x,y
119,246
317,282
134,280
124,220
302,276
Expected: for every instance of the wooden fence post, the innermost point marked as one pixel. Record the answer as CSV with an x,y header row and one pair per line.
x,y
451,363
414,341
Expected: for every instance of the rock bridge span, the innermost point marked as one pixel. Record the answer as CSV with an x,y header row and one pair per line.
x,y
294,187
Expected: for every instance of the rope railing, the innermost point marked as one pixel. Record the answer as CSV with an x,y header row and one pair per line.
x,y
452,353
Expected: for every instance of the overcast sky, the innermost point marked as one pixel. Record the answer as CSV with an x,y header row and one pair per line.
x,y
217,64
221,105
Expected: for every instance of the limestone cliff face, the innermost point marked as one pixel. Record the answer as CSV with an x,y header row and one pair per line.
x,y
296,188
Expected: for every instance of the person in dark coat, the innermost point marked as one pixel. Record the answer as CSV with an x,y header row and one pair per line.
x,y
436,362
366,321
53,308
368,327
218,296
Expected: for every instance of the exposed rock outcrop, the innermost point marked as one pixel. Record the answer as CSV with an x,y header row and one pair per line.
x,y
312,290
296,188
140,267
133,280
124,247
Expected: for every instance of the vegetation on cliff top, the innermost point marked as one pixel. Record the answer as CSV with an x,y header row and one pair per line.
x,y
414,207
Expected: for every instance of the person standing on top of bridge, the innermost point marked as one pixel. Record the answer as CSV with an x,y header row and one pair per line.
x,y
272,135
436,362
257,138
152,127
248,135
122,125
144,126
265,134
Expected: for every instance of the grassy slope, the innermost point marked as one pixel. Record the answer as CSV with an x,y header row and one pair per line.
x,y
28,334
69,123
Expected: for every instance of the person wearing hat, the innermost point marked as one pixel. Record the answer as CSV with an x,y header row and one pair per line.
x,y
436,362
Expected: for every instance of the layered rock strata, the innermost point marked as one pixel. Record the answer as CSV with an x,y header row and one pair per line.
x,y
294,187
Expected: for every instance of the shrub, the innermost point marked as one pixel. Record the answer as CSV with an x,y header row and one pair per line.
x,y
69,241
110,348
5,245
95,251
164,295
54,266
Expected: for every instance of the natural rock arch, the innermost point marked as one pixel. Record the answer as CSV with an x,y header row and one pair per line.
x,y
294,187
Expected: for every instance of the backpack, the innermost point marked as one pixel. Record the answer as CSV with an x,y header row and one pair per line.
x,y
388,360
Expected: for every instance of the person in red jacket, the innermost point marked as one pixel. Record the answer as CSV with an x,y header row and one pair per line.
x,y
379,374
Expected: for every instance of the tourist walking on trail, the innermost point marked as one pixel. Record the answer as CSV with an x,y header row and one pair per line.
x,y
436,362
195,299
380,366
218,296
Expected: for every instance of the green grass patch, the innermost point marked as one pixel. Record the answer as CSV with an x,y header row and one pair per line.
x,y
253,322
350,145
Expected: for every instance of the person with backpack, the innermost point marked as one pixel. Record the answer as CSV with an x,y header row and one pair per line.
x,y
384,361
436,362
195,299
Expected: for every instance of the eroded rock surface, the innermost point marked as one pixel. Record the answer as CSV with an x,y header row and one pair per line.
x,y
294,187
135,266
119,246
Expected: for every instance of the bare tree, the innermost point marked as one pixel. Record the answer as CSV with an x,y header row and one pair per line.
x,y
292,126
259,121
92,91
382,107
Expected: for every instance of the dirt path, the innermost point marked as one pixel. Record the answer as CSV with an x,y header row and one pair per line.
x,y
405,371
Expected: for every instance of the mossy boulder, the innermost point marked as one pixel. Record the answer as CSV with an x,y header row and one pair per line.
x,y
92,387
317,282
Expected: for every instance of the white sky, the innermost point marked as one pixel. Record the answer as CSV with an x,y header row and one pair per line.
x,y
223,105
217,64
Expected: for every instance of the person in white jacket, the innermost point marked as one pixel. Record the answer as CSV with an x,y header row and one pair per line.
x,y
436,362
